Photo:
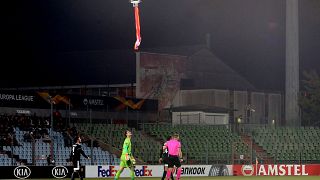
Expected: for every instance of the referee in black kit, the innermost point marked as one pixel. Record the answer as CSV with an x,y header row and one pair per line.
x,y
75,157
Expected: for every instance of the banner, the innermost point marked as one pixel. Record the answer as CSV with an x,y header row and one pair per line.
x,y
110,171
36,172
43,100
21,99
196,170
277,170
158,76
157,171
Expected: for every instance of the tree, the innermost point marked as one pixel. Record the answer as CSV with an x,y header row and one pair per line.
x,y
309,99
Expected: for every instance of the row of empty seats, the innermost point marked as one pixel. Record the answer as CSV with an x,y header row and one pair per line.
x,y
61,154
144,147
287,144
213,143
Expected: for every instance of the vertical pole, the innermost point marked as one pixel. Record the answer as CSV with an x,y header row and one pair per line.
x,y
207,152
256,166
12,151
33,150
127,115
91,130
138,119
292,63
251,145
51,116
69,113
51,129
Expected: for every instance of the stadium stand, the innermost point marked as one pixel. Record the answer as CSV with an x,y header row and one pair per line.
x,y
31,144
209,144
202,141
290,145
145,148
27,139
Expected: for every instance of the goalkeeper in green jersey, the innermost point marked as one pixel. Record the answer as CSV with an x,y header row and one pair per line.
x,y
126,160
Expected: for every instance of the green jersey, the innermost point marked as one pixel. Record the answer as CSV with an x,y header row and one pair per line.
x,y
126,148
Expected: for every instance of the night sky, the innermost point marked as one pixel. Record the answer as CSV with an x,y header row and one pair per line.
x,y
248,35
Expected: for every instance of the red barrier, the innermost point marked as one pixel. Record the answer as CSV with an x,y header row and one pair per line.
x,y
277,170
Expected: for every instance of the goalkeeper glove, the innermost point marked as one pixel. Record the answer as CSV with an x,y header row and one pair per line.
x,y
127,157
133,161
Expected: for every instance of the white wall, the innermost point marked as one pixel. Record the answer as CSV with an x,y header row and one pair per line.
x,y
199,117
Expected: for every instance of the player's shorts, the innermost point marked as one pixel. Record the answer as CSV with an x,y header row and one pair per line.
x,y
166,161
124,162
76,165
174,161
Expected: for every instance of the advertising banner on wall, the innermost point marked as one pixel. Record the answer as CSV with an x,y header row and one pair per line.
x,y
21,99
158,76
157,171
36,172
277,170
43,100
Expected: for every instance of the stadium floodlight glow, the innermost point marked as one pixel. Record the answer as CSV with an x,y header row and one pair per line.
x,y
135,3
239,120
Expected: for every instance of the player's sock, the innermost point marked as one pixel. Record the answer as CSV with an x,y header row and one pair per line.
x,y
80,175
179,173
72,176
118,175
168,174
164,175
132,173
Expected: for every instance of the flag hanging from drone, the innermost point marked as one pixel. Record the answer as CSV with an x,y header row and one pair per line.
x,y
137,21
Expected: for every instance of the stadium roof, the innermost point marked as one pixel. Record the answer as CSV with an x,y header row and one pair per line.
x,y
118,66
177,50
205,70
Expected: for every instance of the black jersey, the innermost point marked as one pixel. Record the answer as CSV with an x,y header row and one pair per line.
x,y
76,151
164,153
